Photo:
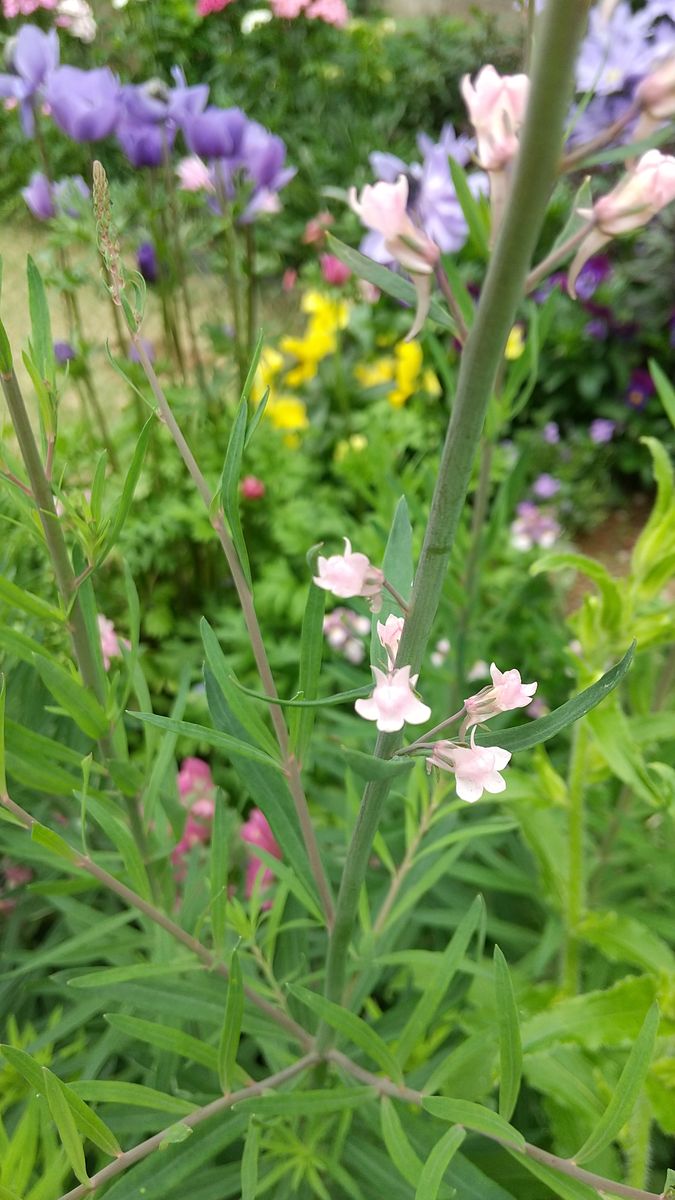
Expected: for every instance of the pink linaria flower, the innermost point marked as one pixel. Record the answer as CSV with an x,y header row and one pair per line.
x,y
496,105
350,574
476,768
206,7
24,8
288,9
506,693
334,272
315,229
196,788
389,634
252,488
256,832
194,175
110,643
333,12
393,701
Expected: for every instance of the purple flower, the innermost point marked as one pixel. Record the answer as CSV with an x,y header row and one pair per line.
x,y
592,274
146,257
69,194
551,433
601,430
32,56
545,486
533,527
145,145
150,114
84,104
640,388
64,352
556,280
39,197
671,328
597,328
135,357
216,133
614,52
263,157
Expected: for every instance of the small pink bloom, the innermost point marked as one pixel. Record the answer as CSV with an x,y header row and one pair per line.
x,y
110,643
16,875
287,9
506,693
393,701
206,7
389,634
496,105
194,175
252,488
476,768
256,831
315,229
369,292
289,279
195,784
334,271
656,95
350,574
333,12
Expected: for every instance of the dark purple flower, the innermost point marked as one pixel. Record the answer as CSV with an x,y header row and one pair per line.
x,y
556,280
84,104
640,388
146,257
145,145
601,430
592,274
671,328
551,433
216,133
545,486
31,57
39,197
597,328
64,352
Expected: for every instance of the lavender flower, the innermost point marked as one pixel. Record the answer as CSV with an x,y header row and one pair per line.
x,y
31,57
601,430
263,157
551,433
592,274
216,133
533,527
39,197
545,486
84,104
70,194
150,115
64,353
640,388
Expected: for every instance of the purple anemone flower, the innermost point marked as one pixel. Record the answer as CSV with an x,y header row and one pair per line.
x,y
264,156
39,197
545,486
601,430
145,145
216,133
640,388
592,274
31,57
64,353
146,257
84,104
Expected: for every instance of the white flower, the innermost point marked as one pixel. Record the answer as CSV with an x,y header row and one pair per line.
x,y
257,16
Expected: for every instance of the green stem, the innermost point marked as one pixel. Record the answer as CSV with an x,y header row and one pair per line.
x,y
560,31
471,574
576,881
233,279
181,271
249,241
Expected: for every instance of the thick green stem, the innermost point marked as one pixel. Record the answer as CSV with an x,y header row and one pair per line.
x,y
576,879
471,573
559,32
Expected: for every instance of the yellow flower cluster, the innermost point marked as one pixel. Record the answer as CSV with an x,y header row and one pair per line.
x,y
404,369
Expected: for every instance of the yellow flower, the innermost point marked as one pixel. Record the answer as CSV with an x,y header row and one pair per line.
x,y
515,344
356,444
409,359
326,313
269,366
288,413
430,383
316,345
373,374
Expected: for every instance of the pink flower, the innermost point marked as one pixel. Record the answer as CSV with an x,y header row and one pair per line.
x,y
656,95
393,701
287,9
506,693
343,631
350,574
289,279
533,527
496,105
333,12
196,833
206,7
194,779
315,229
110,643
24,8
194,175
389,634
16,875
638,197
334,271
252,488
256,832
476,768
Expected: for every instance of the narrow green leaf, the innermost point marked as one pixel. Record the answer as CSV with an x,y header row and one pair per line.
x,y
41,329
6,360
366,766
231,1031
52,841
5,1193
212,737
311,653
386,280
628,150
352,1026
65,1123
310,1102
163,759
249,1161
474,1116
229,485
561,1185
220,865
318,702
3,777
425,1009
523,737
510,1047
247,714
109,1091
125,501
583,199
398,1147
626,1092
438,1163
165,1037
256,417
18,597
664,388
123,840
76,700
474,216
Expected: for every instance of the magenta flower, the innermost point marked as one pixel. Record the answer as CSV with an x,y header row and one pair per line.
x,y
545,486
350,574
110,642
205,8
256,831
194,175
332,12
252,488
390,634
334,272
393,701
476,768
315,229
196,787
506,692
601,430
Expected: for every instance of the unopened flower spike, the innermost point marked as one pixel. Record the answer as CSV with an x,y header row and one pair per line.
x,y
350,574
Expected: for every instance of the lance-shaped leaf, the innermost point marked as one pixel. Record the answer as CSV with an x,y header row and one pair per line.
x,y
438,1163
113,1091
232,692
299,1103
213,737
366,766
231,1030
41,330
397,564
17,597
510,1047
474,215
474,1116
125,501
626,1091
165,1037
3,777
311,653
401,1153
76,700
221,835
249,1160
386,280
65,1123
609,589
526,736
357,1030
229,485
664,389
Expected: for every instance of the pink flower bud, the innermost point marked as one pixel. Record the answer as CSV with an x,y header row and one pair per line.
x,y
496,107
194,175
334,272
389,634
393,701
656,92
289,279
315,229
350,574
252,488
